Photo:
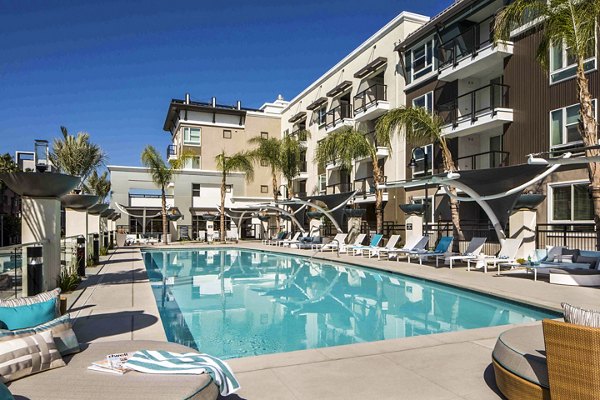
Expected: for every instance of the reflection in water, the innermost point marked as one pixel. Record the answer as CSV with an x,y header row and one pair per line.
x,y
236,303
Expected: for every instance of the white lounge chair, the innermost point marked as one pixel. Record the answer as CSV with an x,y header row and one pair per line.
x,y
287,241
473,249
389,246
416,245
295,243
441,248
335,242
344,248
360,250
507,255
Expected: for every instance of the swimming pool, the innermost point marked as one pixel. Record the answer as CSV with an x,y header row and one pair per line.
x,y
237,302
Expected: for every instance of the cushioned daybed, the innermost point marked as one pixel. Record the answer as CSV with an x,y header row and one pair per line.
x,y
75,381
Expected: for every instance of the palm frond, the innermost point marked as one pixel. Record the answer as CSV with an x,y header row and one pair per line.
x,y
160,172
76,155
418,125
98,184
342,147
238,162
268,151
291,159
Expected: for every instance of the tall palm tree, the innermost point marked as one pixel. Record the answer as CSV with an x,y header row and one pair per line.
x,y
241,162
422,127
291,158
571,24
346,145
98,185
268,151
76,155
162,174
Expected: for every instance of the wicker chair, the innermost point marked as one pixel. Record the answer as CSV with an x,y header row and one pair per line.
x,y
573,359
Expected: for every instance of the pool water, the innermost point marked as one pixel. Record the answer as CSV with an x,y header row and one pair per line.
x,y
236,303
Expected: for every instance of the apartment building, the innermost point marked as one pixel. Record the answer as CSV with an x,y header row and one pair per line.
x,y
200,130
497,103
355,92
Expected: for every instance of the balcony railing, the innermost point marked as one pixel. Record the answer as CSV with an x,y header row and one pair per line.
x,y
369,96
465,44
337,115
171,151
366,186
471,105
339,188
300,134
488,159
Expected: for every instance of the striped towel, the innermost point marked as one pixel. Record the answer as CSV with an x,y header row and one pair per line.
x,y
166,362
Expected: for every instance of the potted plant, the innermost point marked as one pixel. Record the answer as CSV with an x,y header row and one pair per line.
x,y
314,214
355,212
412,208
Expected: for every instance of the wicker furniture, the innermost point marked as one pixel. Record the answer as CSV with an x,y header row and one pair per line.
x,y
573,358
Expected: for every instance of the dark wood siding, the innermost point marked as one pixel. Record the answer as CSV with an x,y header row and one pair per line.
x,y
532,98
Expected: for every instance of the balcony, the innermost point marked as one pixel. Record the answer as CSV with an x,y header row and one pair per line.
x,y
382,151
303,174
301,136
371,103
472,53
488,159
477,111
171,152
365,190
338,118
338,188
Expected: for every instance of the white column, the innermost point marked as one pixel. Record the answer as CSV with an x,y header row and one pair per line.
x,y
522,225
75,222
93,223
414,228
41,221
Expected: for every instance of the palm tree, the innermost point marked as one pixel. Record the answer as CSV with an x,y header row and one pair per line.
x,y
241,162
162,174
76,155
346,145
291,158
422,127
268,152
98,185
571,24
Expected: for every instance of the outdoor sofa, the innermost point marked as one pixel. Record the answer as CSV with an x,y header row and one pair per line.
x,y
569,267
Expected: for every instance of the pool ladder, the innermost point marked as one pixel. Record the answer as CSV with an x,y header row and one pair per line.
x,y
337,250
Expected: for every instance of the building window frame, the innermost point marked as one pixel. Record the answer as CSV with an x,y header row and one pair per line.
x,y
193,162
565,125
228,188
264,135
566,70
427,99
321,113
196,189
226,133
427,47
264,188
190,140
418,159
322,183
572,203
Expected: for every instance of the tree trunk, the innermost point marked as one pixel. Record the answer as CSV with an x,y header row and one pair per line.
x,y
165,224
222,220
378,196
275,189
454,204
589,134
290,189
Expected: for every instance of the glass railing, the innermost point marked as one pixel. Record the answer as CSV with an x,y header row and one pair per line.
x,y
471,105
369,97
366,186
11,268
339,188
466,44
488,159
337,115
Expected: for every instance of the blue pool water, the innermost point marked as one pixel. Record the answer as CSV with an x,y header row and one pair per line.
x,y
237,303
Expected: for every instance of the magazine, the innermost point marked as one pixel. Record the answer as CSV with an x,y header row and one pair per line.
x,y
113,363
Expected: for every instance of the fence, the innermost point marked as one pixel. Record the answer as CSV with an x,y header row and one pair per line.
x,y
470,229
11,269
574,236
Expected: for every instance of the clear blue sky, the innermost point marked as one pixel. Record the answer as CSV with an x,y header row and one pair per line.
x,y
111,67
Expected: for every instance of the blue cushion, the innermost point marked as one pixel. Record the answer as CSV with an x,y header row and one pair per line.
x,y
27,315
5,393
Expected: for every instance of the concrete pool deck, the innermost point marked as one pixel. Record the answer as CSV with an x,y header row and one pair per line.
x,y
116,302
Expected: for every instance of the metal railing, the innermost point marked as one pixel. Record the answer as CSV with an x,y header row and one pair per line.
x,y
337,114
338,188
366,186
465,44
11,269
470,229
472,105
573,236
300,134
171,151
68,252
370,96
488,159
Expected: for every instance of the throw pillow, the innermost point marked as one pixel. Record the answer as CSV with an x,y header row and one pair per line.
x,y
28,355
5,393
579,316
28,315
568,255
61,329
38,298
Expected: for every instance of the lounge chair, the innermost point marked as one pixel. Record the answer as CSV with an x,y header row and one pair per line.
x,y
359,250
389,246
440,249
335,242
507,255
344,248
280,236
473,249
288,241
417,245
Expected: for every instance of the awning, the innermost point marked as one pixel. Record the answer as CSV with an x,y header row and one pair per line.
x,y
297,117
371,67
339,89
317,103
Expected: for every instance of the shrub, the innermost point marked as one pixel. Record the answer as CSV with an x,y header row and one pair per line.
x,y
68,280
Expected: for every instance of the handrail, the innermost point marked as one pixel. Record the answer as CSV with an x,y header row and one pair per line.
x,y
342,111
377,91
450,46
503,159
452,106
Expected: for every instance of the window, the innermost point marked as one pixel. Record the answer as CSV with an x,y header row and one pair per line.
x,y
322,183
564,125
429,209
419,61
563,64
228,188
191,136
424,101
192,162
571,202
264,135
264,163
321,112
264,189
195,190
226,134
423,157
